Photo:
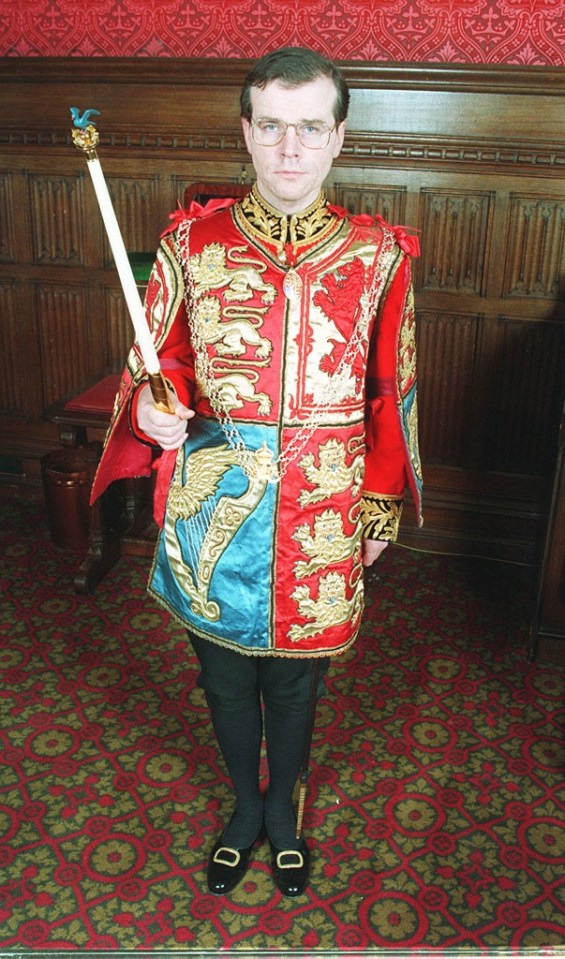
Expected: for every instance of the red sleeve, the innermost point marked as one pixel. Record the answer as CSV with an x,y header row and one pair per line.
x,y
177,365
127,450
386,474
174,347
385,465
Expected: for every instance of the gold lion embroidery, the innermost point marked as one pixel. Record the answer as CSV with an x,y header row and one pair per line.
x,y
332,475
210,271
331,608
328,545
230,336
233,390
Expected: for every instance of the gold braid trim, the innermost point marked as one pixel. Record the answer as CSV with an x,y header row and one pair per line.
x,y
254,215
380,516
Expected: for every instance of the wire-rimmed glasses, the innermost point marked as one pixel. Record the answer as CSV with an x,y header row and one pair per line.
x,y
313,134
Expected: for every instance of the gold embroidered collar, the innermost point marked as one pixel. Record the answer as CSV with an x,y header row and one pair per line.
x,y
267,223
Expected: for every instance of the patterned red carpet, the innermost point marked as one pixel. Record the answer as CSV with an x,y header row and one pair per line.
x,y
435,815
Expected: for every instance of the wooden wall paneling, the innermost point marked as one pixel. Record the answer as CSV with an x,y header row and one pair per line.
x,y
447,348
535,261
20,393
472,157
372,199
457,221
457,226
467,123
72,346
21,390
525,393
137,200
114,317
57,225
51,220
7,218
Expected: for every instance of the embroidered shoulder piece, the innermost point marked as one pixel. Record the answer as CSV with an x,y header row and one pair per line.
x,y
406,241
380,516
195,212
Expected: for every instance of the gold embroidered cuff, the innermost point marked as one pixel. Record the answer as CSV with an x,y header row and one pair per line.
x,y
380,516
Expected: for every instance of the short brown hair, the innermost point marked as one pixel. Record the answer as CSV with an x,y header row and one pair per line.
x,y
292,67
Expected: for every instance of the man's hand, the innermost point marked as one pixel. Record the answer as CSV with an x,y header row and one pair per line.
x,y
166,429
372,549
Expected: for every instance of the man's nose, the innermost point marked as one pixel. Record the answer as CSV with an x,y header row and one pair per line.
x,y
290,143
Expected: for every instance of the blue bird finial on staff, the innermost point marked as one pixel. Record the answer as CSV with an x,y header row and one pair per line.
x,y
82,121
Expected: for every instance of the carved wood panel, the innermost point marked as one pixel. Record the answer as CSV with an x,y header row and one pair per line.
x,y
12,346
457,229
7,220
447,347
117,325
71,341
388,202
58,222
525,392
136,203
535,263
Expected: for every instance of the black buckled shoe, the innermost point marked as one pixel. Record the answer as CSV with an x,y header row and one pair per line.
x,y
291,869
226,867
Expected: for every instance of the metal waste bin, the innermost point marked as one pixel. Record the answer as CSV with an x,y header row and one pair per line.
x,y
66,482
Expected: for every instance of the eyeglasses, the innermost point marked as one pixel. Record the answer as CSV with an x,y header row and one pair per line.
x,y
314,134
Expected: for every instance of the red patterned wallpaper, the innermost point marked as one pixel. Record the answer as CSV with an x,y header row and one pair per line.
x,y
519,32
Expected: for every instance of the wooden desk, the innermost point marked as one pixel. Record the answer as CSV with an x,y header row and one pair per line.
x,y
120,520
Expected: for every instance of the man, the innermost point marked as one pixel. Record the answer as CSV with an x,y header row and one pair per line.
x,y
285,328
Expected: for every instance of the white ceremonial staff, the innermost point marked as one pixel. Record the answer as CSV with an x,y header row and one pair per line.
x,y
86,137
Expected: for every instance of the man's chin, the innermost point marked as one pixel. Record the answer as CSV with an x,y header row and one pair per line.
x,y
289,196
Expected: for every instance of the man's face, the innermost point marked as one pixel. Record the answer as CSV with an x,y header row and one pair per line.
x,y
290,175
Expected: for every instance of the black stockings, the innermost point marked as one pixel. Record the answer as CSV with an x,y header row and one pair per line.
x,y
234,685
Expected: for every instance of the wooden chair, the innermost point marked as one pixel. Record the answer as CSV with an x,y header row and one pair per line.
x,y
211,190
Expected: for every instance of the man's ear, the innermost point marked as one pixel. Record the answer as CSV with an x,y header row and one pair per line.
x,y
247,133
339,136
